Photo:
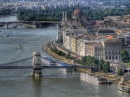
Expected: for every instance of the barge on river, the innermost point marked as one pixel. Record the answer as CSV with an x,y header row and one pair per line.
x,y
93,79
123,87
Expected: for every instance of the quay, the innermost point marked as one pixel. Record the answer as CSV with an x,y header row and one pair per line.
x,y
47,49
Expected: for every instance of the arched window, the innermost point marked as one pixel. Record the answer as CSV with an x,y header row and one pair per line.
x,y
106,52
112,57
115,51
109,57
109,52
116,57
106,58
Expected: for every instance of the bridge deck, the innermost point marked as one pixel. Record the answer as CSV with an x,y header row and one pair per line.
x,y
43,67
71,67
4,22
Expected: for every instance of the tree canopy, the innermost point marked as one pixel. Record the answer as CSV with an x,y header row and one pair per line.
x,y
89,60
125,56
120,72
55,14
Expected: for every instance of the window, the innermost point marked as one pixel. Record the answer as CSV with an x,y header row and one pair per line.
x,y
109,57
115,51
106,58
116,57
112,57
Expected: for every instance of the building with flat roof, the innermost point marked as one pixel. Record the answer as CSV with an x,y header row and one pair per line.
x,y
112,49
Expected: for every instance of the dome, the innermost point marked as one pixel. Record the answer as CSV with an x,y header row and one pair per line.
x,y
77,12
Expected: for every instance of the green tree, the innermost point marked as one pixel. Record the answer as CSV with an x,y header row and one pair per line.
x,y
89,60
106,67
101,62
84,60
60,39
120,72
125,56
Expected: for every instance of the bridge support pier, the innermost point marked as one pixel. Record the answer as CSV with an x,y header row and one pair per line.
x,y
6,25
37,72
37,68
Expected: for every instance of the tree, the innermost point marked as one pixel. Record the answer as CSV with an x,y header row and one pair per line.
x,y
84,60
106,66
101,62
125,56
120,72
60,39
89,60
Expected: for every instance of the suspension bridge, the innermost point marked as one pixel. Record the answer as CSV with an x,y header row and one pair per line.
x,y
36,63
32,24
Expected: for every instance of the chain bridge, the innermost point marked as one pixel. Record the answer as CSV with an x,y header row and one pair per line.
x,y
36,63
32,24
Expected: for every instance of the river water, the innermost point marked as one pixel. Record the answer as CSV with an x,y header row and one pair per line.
x,y
54,83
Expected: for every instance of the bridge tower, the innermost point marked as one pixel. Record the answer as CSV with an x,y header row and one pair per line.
x,y
6,25
37,68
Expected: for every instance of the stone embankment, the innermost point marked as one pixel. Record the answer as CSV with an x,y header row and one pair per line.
x,y
47,49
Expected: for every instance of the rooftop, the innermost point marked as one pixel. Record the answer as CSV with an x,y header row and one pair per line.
x,y
106,31
113,41
95,44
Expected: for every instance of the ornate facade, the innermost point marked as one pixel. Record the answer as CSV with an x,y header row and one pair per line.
x,y
112,49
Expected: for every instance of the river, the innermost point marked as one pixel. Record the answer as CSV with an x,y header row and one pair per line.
x,y
54,83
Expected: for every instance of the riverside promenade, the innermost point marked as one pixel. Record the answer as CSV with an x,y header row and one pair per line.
x,y
47,49
52,44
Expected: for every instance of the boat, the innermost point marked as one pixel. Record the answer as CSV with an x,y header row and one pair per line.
x,y
6,36
123,87
109,82
93,79
14,27
19,46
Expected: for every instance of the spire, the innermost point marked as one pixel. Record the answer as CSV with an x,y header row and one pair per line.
x,y
63,18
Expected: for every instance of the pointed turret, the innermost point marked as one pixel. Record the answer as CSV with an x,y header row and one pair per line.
x,y
63,18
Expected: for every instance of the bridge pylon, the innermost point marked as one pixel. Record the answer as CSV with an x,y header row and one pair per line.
x,y
6,25
37,68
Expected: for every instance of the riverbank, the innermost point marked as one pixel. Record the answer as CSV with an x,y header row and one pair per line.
x,y
47,49
108,76
24,86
